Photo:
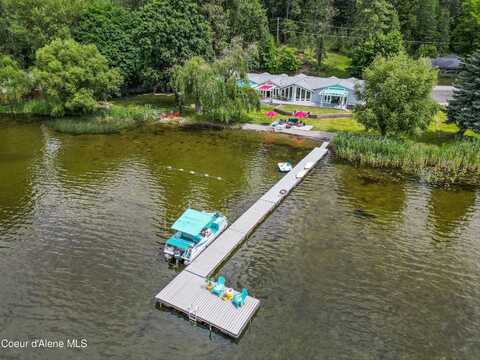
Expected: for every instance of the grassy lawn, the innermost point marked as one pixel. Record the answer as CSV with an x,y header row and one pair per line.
x,y
333,125
335,64
161,102
438,132
311,109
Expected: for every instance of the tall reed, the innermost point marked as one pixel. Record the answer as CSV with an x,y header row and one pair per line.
x,y
451,163
113,120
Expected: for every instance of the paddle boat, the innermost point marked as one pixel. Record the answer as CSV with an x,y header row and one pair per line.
x,y
284,166
195,230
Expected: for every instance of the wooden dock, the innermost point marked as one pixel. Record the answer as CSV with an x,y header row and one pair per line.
x,y
187,292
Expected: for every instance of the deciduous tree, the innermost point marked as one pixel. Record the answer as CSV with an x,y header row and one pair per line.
x,y
72,77
15,83
396,97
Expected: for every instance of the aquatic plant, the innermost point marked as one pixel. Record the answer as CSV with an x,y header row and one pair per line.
x,y
110,121
446,163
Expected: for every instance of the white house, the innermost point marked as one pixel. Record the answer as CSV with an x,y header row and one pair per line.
x,y
306,90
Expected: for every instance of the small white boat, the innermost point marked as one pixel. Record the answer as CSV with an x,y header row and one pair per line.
x,y
195,230
285,166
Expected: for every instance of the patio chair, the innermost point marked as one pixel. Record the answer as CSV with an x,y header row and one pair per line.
x,y
219,288
240,298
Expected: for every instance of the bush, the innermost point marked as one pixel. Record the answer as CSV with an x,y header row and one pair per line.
x,y
288,60
385,45
15,83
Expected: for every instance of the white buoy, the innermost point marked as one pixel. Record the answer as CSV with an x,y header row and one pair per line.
x,y
192,172
180,169
206,175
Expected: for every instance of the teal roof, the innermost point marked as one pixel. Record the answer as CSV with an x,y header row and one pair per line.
x,y
243,83
336,90
179,243
192,222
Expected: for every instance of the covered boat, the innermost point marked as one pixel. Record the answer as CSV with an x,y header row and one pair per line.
x,y
195,230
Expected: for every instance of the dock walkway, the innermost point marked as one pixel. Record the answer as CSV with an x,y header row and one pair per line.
x,y
187,292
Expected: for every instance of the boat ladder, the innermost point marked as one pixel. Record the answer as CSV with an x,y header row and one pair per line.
x,y
192,314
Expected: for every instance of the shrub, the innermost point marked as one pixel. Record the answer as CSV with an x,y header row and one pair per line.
x,y
288,60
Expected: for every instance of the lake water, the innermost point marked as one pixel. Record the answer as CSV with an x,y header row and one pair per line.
x,y
355,264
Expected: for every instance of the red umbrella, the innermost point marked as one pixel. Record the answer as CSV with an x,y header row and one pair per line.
x,y
271,114
301,114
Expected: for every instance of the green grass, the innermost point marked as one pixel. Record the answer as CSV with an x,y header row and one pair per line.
x,y
335,64
161,102
332,125
114,120
311,109
35,107
456,162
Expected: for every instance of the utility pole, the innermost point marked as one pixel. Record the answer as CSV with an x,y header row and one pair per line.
x,y
278,30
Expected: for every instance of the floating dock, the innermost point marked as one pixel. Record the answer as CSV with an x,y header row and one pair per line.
x,y
187,292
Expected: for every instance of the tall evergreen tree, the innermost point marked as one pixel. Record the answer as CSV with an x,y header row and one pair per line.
x,y
464,108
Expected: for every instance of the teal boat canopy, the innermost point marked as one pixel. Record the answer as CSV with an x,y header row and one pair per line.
x,y
192,222
179,243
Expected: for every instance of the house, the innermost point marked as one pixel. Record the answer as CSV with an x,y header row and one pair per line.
x,y
447,65
306,90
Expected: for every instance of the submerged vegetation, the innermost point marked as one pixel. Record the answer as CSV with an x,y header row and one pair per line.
x,y
457,162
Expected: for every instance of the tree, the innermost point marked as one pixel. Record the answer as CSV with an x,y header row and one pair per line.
x,y
377,33
396,97
190,79
374,17
216,89
288,60
464,108
72,77
248,20
267,54
466,35
218,20
386,45
169,33
15,83
110,27
31,24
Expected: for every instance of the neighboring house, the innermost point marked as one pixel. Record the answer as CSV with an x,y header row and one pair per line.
x,y
306,90
447,65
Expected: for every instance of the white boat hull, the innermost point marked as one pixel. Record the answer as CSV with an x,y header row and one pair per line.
x,y
171,253
197,250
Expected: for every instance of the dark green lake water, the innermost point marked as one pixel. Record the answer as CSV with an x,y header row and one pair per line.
x,y
355,264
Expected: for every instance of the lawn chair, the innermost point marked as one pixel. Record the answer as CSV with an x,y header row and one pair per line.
x,y
219,288
240,298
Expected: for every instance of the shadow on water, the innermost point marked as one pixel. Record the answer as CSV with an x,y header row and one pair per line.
x,y
19,154
449,208
372,194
